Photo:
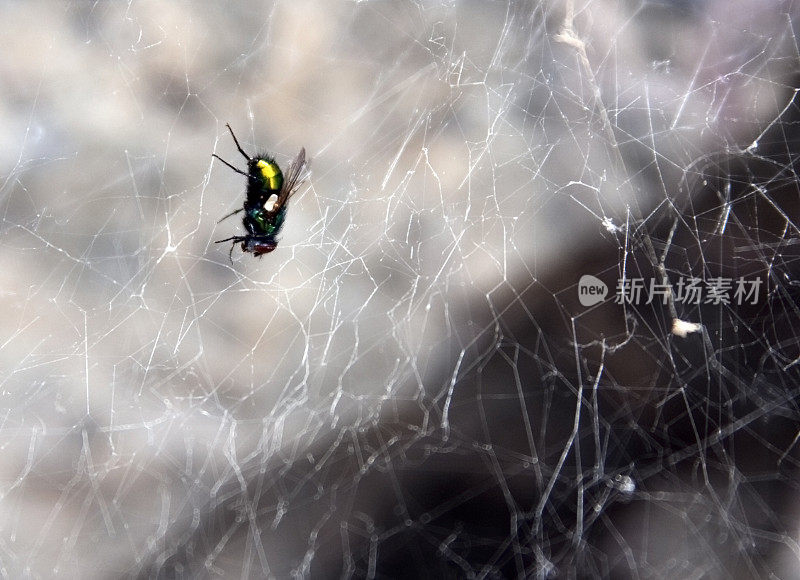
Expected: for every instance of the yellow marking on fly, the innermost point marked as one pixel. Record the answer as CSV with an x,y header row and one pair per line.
x,y
271,174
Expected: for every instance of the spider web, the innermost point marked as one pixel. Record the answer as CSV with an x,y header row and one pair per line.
x,y
409,385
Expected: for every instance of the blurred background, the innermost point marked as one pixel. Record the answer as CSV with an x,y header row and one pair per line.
x,y
408,386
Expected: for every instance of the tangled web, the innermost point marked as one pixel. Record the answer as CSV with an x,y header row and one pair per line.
x,y
418,381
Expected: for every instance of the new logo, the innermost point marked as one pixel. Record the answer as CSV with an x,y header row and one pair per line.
x,y
591,290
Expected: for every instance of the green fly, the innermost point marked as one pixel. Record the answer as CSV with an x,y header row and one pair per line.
x,y
266,199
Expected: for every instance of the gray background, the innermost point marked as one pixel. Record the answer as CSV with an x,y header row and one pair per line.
x,y
394,389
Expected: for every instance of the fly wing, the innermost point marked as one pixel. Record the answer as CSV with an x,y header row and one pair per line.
x,y
291,181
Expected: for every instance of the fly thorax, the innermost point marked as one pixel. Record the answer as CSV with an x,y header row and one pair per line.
x,y
260,218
